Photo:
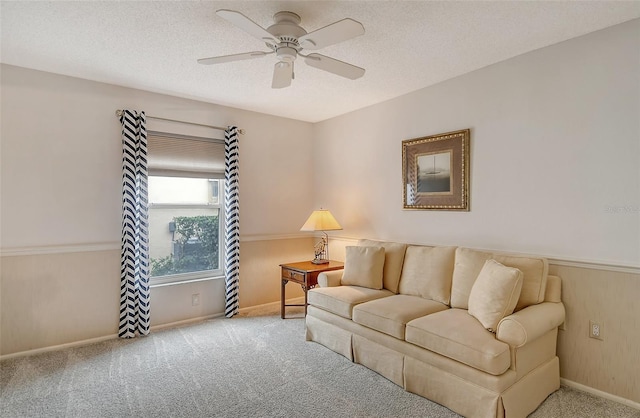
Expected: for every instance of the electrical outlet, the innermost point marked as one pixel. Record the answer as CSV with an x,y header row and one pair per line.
x,y
596,330
195,299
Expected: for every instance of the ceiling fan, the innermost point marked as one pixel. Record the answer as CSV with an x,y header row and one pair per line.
x,y
286,39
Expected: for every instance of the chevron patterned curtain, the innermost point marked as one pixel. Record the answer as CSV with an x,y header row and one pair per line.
x,y
232,221
134,269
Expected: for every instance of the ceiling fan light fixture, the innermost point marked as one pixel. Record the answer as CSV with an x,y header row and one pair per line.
x,y
286,53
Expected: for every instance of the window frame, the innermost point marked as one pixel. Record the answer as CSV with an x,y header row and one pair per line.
x,y
201,275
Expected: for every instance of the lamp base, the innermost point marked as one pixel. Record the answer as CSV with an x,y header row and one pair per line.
x,y
320,261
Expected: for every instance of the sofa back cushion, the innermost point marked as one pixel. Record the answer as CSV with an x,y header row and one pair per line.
x,y
393,259
363,267
467,266
494,294
427,272
534,277
469,263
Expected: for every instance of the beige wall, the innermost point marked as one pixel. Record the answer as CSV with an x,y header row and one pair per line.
x,y
555,171
555,146
60,206
260,280
54,299
61,143
611,299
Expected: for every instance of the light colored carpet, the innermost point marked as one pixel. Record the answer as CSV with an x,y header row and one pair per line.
x,y
254,365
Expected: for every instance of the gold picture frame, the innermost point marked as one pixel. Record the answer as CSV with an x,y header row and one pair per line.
x,y
435,172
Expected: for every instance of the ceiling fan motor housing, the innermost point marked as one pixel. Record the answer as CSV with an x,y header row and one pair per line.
x,y
287,25
287,29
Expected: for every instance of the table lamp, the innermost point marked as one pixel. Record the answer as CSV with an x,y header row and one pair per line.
x,y
321,220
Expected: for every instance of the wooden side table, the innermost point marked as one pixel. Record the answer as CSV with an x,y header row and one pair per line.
x,y
305,273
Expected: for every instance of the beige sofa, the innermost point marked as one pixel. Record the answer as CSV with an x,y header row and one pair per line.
x,y
437,321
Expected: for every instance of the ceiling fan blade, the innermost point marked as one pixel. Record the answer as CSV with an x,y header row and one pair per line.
x,y
332,34
247,25
234,57
334,66
282,75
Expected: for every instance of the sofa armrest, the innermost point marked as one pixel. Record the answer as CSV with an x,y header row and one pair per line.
x,y
330,278
530,323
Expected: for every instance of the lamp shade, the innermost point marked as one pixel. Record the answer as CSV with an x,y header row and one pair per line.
x,y
321,220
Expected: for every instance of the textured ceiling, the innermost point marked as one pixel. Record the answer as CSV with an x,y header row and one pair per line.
x,y
408,45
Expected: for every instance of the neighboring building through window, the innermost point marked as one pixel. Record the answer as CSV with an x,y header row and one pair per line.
x,y
185,213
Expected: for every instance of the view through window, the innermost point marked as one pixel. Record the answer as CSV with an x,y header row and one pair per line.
x,y
185,231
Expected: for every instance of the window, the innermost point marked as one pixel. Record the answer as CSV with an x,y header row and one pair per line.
x,y
185,213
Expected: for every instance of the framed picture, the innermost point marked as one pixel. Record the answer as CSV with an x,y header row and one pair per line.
x,y
435,172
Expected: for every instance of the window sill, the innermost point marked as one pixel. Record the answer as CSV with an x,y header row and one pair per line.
x,y
179,282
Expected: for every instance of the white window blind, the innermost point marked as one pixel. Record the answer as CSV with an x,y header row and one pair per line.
x,y
172,155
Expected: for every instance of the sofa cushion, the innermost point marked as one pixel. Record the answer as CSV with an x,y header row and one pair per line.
x,y
427,272
390,315
340,300
363,267
469,263
494,294
393,259
459,336
534,277
465,272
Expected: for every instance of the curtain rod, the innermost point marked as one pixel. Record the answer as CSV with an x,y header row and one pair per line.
x,y
241,131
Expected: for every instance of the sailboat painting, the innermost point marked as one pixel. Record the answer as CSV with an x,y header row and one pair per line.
x,y
434,173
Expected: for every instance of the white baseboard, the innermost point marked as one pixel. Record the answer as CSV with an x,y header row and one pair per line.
x,y
299,299
58,347
185,322
599,393
153,328
101,339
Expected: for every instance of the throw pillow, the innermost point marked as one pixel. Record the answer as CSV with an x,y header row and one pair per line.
x,y
363,266
534,277
393,258
495,293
